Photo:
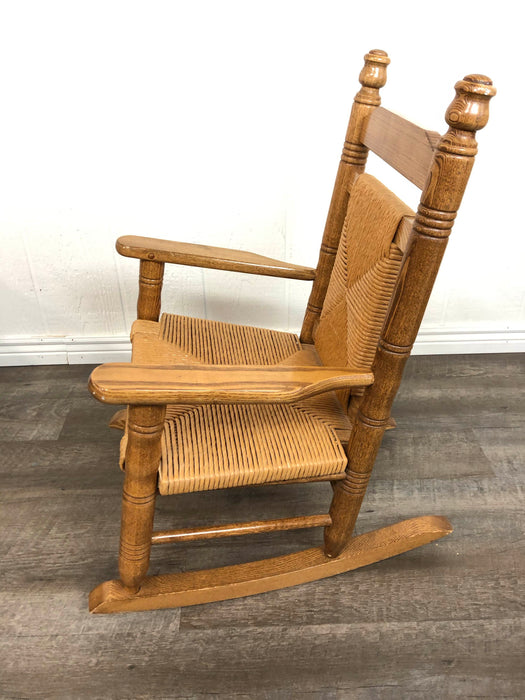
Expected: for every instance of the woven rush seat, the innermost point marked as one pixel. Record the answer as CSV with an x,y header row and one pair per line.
x,y
213,447
210,447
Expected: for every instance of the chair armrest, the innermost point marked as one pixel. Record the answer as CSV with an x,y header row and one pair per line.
x,y
124,383
158,250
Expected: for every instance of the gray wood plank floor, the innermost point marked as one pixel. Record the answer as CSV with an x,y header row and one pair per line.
x,y
444,621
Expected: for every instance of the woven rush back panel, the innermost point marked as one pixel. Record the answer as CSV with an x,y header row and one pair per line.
x,y
219,343
364,277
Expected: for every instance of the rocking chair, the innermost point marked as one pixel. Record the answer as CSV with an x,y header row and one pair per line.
x,y
214,405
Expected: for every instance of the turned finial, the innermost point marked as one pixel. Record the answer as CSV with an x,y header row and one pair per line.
x,y
373,77
469,110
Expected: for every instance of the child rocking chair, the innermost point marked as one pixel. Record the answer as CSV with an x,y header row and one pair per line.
x,y
214,405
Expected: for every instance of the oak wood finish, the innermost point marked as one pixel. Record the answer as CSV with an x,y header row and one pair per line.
x,y
206,586
197,255
151,276
439,203
352,164
120,383
236,529
149,389
145,424
403,145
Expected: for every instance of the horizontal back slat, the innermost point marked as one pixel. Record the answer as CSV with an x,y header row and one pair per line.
x,y
403,145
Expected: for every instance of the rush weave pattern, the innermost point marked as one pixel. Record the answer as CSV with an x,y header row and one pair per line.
x,y
364,277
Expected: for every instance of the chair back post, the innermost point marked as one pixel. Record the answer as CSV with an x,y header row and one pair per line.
x,y
352,164
437,210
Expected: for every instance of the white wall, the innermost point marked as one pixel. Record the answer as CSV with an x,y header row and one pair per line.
x,y
222,123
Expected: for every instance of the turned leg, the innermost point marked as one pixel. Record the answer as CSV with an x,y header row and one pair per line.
x,y
150,289
145,425
372,419
349,493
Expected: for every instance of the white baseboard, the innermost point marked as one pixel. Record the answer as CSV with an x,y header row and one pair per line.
x,y
63,351
469,342
74,351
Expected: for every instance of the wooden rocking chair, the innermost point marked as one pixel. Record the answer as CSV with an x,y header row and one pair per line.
x,y
213,405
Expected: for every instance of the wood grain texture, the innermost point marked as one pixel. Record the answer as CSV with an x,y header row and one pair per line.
x,y
394,321
151,276
182,339
145,424
205,586
440,200
207,256
236,529
403,145
351,165
119,383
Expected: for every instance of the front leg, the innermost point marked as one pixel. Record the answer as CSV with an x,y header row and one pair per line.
x,y
145,426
